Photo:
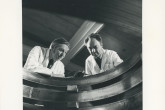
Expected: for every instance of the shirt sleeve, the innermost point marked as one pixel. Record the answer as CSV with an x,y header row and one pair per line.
x,y
32,59
58,69
33,64
116,59
87,68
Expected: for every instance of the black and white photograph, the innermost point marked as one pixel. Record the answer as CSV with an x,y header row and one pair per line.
x,y
82,55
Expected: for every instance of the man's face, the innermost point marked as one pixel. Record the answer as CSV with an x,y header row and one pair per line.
x,y
59,52
95,48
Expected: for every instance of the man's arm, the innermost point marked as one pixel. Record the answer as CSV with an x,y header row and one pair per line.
x,y
87,69
32,63
116,59
58,69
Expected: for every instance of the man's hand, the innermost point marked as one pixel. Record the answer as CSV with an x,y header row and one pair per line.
x,y
79,74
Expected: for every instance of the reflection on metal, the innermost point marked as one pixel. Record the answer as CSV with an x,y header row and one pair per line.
x,y
72,99
109,91
72,88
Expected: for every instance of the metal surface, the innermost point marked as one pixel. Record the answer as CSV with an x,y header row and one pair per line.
x,y
105,92
134,102
125,104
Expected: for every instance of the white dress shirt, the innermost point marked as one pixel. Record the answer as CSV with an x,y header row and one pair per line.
x,y
38,60
110,59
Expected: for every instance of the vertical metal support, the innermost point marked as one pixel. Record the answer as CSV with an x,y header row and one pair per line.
x,y
72,104
72,88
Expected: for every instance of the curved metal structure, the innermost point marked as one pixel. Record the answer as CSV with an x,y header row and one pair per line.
x,y
117,89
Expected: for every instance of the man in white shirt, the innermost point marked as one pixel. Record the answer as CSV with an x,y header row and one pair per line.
x,y
100,59
47,60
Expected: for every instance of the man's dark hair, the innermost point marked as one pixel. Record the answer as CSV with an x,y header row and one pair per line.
x,y
58,41
95,36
